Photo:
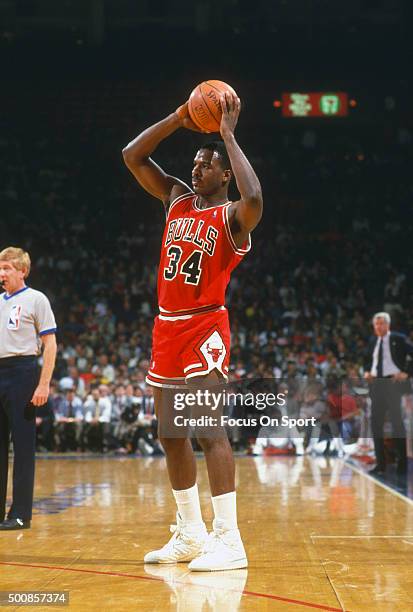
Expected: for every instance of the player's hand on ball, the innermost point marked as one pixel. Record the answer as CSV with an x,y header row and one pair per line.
x,y
185,120
231,108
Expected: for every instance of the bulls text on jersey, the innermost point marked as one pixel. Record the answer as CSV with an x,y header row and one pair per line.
x,y
187,230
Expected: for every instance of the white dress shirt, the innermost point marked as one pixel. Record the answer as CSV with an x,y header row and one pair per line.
x,y
103,406
389,367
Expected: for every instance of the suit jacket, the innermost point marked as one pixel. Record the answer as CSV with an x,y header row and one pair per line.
x,y
401,350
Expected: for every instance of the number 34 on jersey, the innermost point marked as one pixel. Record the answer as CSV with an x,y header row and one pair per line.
x,y
182,230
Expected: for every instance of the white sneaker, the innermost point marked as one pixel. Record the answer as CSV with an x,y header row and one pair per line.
x,y
186,543
223,550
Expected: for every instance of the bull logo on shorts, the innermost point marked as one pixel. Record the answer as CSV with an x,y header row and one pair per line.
x,y
14,317
216,352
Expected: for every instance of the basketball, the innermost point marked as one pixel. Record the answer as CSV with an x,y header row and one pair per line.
x,y
204,106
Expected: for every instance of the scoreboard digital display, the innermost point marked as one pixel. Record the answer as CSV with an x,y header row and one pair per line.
x,y
315,104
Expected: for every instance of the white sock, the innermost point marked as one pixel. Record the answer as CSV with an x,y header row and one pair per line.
x,y
225,509
188,504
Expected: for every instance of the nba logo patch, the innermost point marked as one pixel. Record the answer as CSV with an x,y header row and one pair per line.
x,y
14,317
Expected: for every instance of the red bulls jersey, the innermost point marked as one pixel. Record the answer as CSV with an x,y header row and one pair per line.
x,y
198,255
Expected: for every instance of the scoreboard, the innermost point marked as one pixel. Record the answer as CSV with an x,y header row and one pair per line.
x,y
314,104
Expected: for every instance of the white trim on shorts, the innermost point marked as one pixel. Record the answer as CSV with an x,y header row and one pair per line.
x,y
206,372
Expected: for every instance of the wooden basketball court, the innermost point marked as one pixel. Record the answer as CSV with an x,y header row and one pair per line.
x,y
319,534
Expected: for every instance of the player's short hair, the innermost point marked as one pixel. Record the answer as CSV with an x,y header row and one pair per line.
x,y
382,315
218,147
19,258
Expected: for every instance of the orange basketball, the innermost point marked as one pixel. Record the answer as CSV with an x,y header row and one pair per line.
x,y
204,106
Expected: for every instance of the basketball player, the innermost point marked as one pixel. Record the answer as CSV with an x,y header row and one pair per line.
x,y
205,238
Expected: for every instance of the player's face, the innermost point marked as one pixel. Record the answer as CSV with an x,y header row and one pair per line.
x,y
381,327
208,177
11,278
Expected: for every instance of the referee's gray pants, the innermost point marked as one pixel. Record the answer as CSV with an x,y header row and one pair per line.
x,y
19,377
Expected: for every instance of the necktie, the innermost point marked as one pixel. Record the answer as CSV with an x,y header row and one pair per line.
x,y
70,414
380,360
97,410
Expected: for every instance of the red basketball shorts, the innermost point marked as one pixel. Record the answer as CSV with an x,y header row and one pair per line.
x,y
185,348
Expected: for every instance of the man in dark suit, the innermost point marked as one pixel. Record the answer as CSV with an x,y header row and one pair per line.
x,y
388,371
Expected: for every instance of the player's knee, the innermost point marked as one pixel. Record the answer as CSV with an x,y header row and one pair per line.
x,y
172,445
208,444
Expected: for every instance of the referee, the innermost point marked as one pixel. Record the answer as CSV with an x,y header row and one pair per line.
x,y
26,323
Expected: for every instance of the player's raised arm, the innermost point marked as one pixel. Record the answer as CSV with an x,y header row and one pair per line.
x,y
248,210
137,156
